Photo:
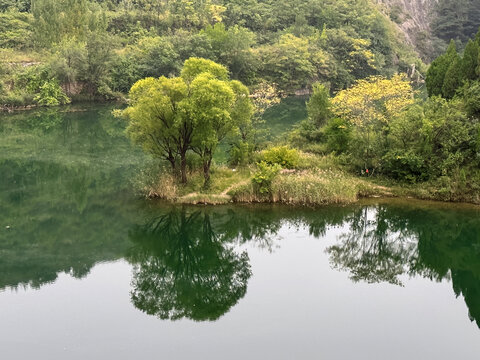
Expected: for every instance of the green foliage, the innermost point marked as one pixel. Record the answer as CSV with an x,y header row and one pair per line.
x,y
288,63
125,72
431,141
406,166
438,69
338,135
156,57
51,94
18,5
456,19
232,48
196,66
99,54
97,49
369,108
284,156
263,177
471,98
470,60
319,106
194,112
56,20
453,79
240,153
15,30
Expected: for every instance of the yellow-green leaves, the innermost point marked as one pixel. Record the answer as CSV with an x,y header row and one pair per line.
x,y
373,99
196,66
170,116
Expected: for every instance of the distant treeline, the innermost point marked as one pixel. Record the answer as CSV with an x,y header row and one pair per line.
x,y
99,49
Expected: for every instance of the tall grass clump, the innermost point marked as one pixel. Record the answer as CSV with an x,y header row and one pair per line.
x,y
315,188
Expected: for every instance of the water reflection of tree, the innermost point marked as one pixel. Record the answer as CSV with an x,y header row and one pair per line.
x,y
385,242
449,247
184,267
373,249
62,182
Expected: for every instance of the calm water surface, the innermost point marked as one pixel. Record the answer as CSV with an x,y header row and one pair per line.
x,y
90,271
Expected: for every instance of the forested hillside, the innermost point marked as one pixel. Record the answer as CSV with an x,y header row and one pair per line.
x,y
429,25
53,51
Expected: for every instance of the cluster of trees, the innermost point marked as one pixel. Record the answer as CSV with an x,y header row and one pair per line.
x,y
450,71
169,117
101,48
377,126
381,125
456,19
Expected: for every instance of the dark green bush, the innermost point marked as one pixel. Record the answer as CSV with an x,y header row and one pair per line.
x,y
405,166
338,135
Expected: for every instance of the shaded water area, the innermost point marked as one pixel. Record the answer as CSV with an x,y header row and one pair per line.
x,y
90,271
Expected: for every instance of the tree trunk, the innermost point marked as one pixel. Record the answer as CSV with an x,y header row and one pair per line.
x,y
171,159
183,166
206,170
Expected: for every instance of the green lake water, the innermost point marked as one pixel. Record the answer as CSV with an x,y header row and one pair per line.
x,y
90,271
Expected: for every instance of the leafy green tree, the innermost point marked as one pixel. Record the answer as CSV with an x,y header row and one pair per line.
x,y
99,54
404,159
242,144
55,20
154,119
338,135
319,106
471,98
456,19
124,72
209,107
188,45
288,63
69,62
232,48
369,107
453,79
195,111
196,66
156,57
20,5
438,69
470,61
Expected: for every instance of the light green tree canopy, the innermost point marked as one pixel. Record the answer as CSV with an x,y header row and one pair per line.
x,y
170,116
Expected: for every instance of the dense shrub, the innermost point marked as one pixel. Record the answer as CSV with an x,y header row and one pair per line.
x,y
284,156
407,166
338,135
51,94
264,176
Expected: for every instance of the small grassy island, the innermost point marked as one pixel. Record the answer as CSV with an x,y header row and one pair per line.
x,y
372,139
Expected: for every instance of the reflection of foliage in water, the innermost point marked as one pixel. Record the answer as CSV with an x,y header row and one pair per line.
x,y
185,268
387,241
371,249
62,193
63,180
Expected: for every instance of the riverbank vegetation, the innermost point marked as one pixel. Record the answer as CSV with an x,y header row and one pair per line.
x,y
96,50
200,77
375,138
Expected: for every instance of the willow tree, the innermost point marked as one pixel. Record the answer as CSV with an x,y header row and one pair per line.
x,y
193,112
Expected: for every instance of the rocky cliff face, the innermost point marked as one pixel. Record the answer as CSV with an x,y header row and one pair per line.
x,y
413,18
